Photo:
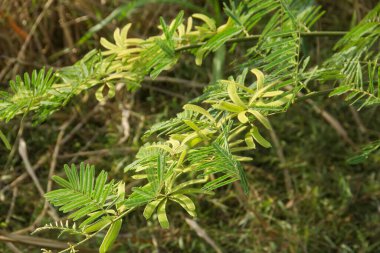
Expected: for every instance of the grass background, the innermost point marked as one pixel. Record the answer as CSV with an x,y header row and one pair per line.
x,y
304,197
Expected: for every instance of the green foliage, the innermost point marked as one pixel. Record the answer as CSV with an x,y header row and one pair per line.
x,y
83,193
111,236
357,60
128,60
5,140
45,93
26,93
204,147
365,152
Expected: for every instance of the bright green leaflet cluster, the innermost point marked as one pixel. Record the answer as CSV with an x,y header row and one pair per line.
x,y
358,61
207,142
127,60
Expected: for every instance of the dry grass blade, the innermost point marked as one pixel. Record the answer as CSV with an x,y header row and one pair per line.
x,y
203,234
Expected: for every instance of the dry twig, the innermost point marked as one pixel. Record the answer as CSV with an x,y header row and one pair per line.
x,y
203,234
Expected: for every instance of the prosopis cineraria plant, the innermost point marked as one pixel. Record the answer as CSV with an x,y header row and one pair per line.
x,y
206,143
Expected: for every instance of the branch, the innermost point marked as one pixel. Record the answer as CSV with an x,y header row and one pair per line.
x,y
36,241
255,37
